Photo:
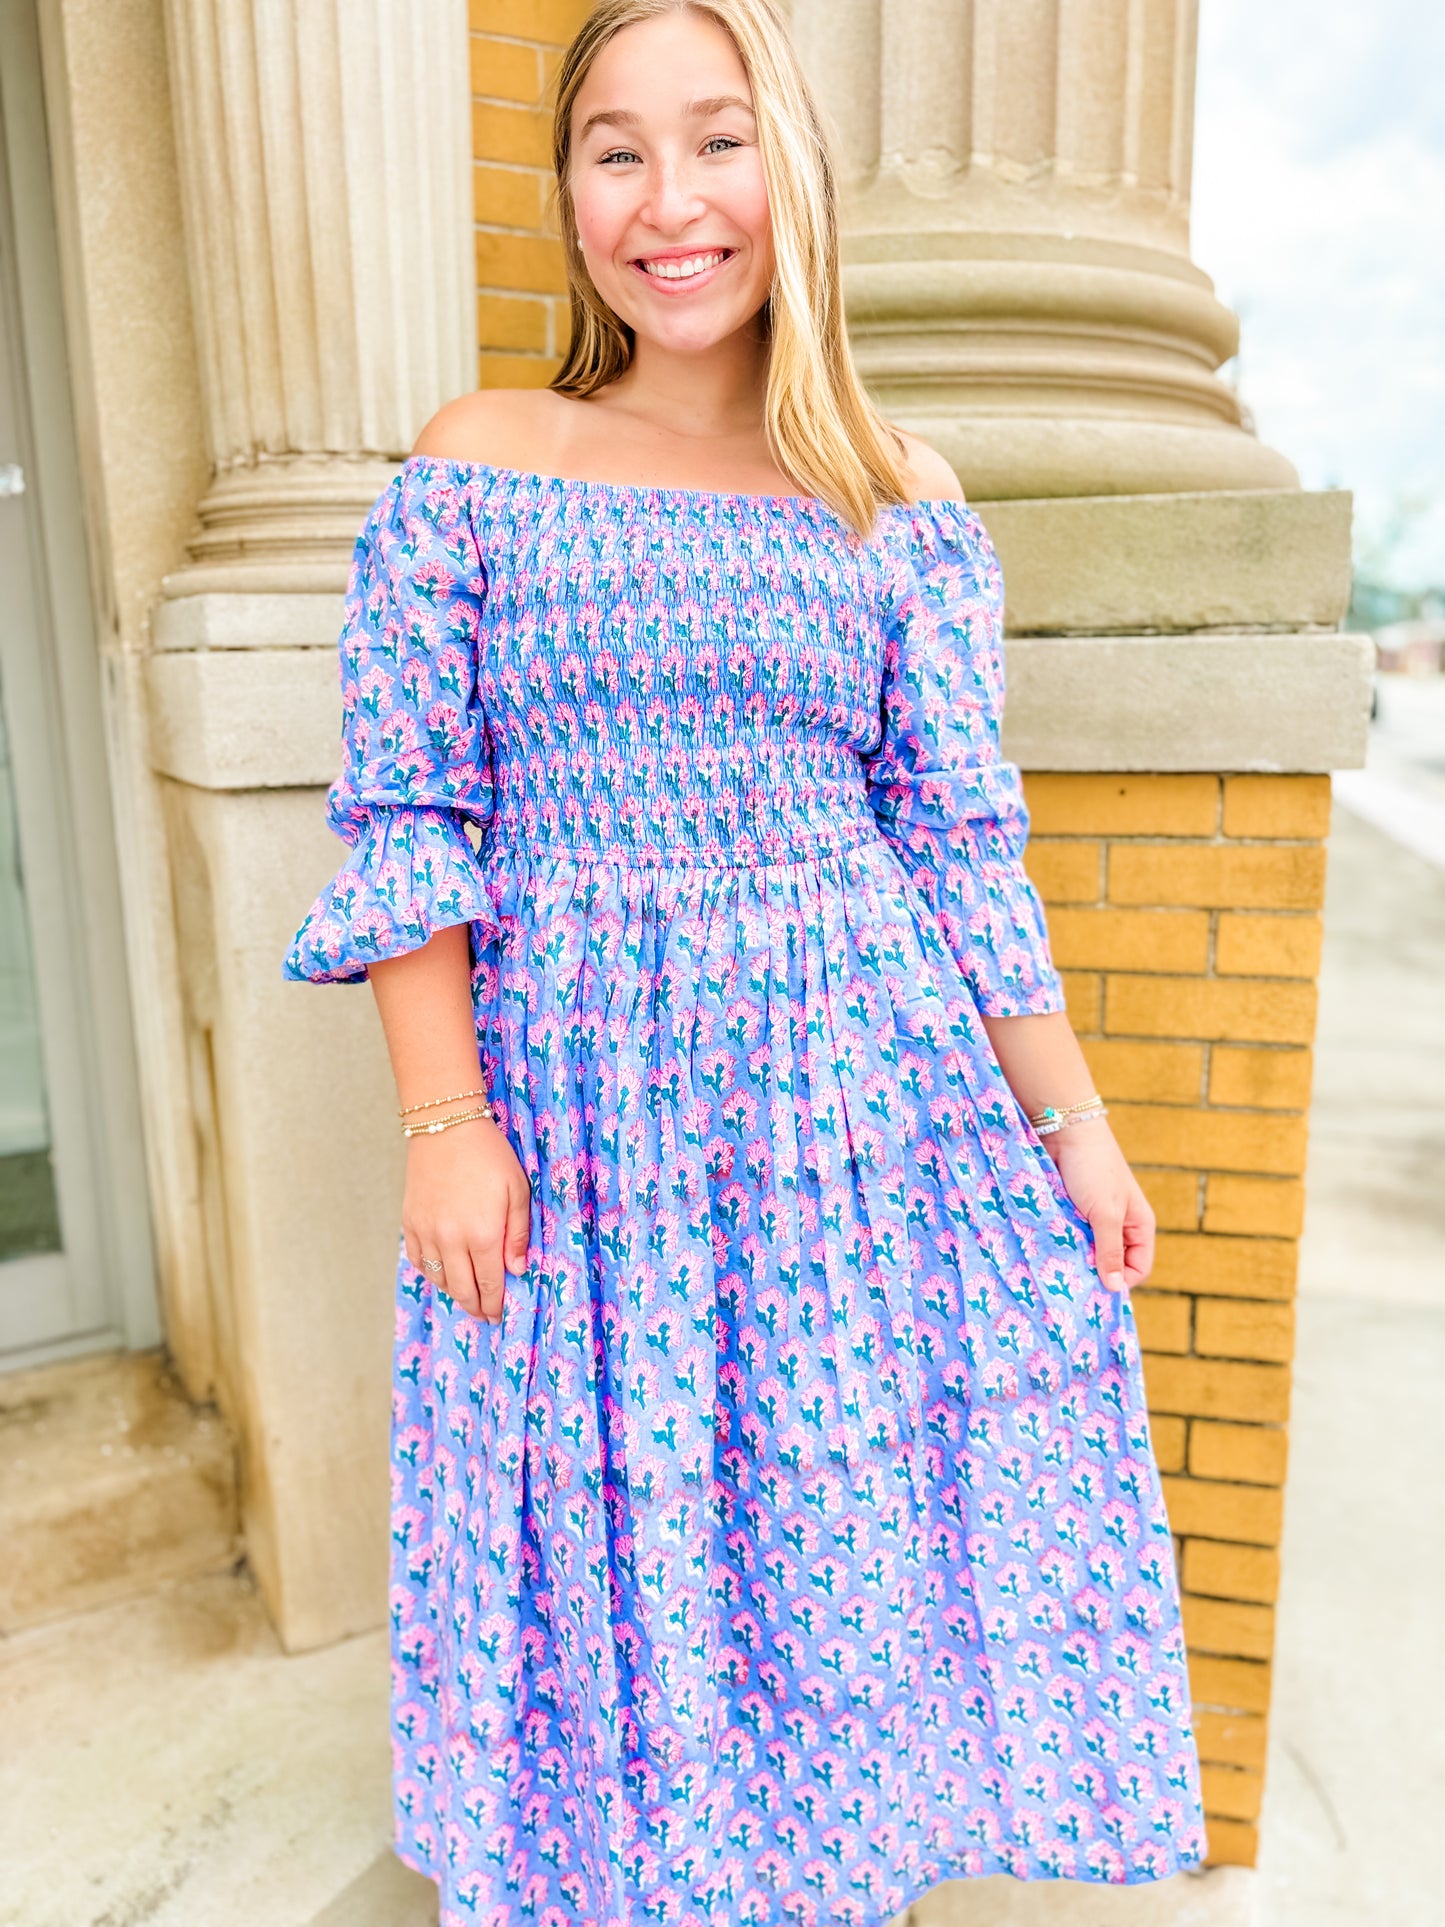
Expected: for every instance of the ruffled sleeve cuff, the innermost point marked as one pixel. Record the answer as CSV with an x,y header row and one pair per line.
x,y
412,872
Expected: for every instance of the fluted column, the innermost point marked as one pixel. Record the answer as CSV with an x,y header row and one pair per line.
x,y
1016,188
325,169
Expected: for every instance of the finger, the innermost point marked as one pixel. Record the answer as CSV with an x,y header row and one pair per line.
x,y
1108,1230
519,1228
413,1249
459,1282
1138,1253
490,1274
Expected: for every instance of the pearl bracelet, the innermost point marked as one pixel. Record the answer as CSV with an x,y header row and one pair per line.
x,y
446,1123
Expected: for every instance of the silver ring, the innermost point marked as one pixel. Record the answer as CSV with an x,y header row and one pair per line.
x,y
433,1265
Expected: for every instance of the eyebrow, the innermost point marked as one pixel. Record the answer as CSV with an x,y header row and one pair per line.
x,y
695,109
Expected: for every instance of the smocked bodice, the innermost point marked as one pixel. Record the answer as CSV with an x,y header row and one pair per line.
x,y
680,673
634,678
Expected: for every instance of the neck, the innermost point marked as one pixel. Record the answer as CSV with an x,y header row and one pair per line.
x,y
716,396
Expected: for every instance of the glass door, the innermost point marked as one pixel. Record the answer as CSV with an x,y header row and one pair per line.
x,y
29,1212
76,1268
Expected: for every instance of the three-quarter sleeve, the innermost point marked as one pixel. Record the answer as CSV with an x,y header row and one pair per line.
x,y
416,767
945,798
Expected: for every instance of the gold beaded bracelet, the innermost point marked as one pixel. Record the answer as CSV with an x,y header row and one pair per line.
x,y
433,1102
446,1123
1046,1123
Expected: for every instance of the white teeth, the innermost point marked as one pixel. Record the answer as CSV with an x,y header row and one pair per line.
x,y
683,270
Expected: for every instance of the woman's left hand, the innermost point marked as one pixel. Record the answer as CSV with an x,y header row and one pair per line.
x,y
1097,1177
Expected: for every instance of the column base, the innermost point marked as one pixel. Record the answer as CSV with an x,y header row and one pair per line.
x,y
281,525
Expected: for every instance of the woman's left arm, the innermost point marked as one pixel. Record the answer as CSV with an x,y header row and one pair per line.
x,y
952,806
1041,1058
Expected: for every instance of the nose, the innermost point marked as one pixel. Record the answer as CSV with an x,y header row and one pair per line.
x,y
672,201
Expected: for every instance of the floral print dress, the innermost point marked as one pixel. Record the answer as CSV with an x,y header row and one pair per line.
x,y
796,1539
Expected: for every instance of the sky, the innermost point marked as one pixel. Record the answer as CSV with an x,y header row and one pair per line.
x,y
1319,213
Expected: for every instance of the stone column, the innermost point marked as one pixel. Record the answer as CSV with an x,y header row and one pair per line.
x,y
325,175
324,157
1016,179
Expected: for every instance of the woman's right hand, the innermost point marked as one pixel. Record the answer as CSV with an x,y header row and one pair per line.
x,y
468,1205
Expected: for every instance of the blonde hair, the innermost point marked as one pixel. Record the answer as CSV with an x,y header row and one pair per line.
x,y
823,430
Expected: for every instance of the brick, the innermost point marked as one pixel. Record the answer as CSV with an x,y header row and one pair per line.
x,y
1068,805
1163,1320
1284,944
1224,1571
1273,1146
1163,940
1225,1267
1228,1626
1252,1515
1268,1080
527,262
505,70
1230,1843
1066,872
551,20
1230,1793
1173,1194
1217,1388
1256,1454
1155,1073
1240,1684
1243,1328
516,371
1279,806
1167,1435
1218,876
1084,996
1265,1011
521,134
1231,1739
506,196
512,321
1241,1204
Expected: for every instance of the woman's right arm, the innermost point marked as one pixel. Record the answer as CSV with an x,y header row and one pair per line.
x,y
468,1200
410,903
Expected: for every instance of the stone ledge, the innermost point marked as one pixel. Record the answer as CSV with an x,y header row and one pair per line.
x,y
253,718
1275,703
246,718
1226,559
303,619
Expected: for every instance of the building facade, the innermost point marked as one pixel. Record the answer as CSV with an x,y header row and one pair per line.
x,y
248,250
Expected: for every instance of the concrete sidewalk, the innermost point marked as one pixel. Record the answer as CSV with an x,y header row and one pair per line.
x,y
1356,1773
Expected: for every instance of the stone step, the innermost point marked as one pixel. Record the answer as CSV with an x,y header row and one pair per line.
x,y
110,1481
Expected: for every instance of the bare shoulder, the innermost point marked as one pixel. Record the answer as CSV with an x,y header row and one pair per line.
x,y
928,475
504,427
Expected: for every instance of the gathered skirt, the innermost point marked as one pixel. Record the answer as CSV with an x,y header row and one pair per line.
x,y
796,1539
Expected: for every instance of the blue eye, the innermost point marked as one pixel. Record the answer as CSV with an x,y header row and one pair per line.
x,y
617,154
727,138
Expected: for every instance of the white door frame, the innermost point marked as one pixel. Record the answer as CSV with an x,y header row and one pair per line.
x,y
100,1291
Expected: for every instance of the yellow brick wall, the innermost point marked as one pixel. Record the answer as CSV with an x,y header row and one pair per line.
x,y
1185,915
521,301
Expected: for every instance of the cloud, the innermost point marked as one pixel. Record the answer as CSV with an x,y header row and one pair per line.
x,y
1319,199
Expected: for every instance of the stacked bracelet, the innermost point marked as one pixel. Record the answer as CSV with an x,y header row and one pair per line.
x,y
1053,1118
446,1123
433,1103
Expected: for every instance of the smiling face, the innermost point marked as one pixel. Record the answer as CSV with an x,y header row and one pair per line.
x,y
667,183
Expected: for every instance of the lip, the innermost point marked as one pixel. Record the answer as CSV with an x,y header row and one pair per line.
x,y
693,282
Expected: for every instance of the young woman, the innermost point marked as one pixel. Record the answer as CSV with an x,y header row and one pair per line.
x,y
776,1526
